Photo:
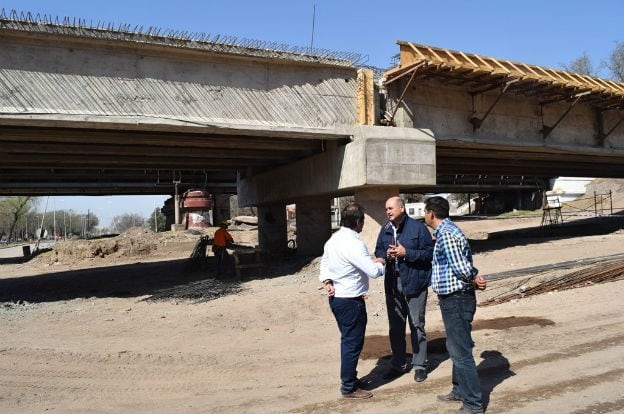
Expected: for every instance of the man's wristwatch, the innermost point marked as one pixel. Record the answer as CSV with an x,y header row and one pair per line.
x,y
326,281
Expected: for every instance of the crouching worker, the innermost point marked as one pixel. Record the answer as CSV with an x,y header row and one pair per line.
x,y
221,240
345,268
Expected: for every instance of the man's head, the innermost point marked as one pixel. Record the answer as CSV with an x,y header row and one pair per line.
x,y
436,210
224,223
352,216
395,209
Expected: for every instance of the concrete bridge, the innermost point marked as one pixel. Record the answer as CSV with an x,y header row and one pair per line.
x,y
87,110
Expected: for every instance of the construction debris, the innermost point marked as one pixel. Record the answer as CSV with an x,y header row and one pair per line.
x,y
200,291
599,273
198,257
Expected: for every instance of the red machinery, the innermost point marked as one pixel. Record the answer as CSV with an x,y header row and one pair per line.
x,y
197,206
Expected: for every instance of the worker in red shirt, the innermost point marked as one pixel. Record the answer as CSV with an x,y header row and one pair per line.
x,y
219,247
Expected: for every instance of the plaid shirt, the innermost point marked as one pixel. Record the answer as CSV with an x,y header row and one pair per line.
x,y
452,260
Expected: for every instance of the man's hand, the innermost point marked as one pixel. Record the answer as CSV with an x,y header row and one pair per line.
x,y
479,283
329,288
396,251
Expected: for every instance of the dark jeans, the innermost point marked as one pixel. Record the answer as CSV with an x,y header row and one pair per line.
x,y
223,261
458,311
351,317
403,309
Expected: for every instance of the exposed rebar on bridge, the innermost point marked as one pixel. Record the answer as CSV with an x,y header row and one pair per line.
x,y
27,21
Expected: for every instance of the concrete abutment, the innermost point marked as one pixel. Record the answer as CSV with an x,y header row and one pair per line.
x,y
372,167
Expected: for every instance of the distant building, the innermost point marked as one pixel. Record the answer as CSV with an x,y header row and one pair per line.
x,y
415,210
568,188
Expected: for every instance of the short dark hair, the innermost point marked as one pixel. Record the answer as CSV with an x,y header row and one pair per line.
x,y
439,206
351,215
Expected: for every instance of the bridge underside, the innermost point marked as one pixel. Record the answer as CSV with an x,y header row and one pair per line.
x,y
471,167
71,161
80,161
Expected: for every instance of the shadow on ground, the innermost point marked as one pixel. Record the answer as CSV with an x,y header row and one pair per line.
x,y
535,235
162,280
494,368
182,280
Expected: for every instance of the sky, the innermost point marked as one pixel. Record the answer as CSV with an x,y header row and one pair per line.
x,y
549,33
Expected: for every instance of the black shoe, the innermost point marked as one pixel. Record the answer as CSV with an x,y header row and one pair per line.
x,y
392,373
450,397
420,375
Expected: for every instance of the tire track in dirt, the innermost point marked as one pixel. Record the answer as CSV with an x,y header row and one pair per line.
x,y
616,406
505,400
520,399
106,375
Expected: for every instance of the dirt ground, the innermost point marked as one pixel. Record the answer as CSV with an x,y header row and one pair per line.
x,y
124,325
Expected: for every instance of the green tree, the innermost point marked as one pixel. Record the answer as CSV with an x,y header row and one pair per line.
x,y
13,210
156,220
68,222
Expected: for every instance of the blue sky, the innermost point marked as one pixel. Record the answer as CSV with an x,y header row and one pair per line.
x,y
542,32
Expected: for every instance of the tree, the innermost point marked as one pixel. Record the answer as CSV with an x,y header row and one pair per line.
x,y
13,210
581,65
616,62
72,223
68,222
126,221
156,220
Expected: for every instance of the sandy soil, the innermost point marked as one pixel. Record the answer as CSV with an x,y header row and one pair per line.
x,y
125,326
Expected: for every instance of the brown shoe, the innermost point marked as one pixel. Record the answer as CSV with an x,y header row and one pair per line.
x,y
465,410
450,397
358,394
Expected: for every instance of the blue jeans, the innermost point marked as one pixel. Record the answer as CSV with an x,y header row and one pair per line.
x,y
351,317
458,311
402,309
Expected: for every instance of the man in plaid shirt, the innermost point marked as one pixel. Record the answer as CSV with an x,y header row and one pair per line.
x,y
454,279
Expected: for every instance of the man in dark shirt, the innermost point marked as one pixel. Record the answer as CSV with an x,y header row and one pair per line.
x,y
406,246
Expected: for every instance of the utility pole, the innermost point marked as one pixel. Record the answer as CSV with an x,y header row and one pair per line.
x,y
313,23
54,218
177,203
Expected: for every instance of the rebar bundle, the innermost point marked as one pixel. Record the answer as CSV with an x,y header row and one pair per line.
x,y
599,273
199,291
197,260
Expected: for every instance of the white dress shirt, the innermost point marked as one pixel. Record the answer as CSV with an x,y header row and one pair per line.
x,y
347,264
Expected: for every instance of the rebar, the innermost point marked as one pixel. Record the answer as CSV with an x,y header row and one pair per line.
x,y
44,23
600,273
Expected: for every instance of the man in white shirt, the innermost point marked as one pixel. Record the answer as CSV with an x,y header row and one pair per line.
x,y
345,268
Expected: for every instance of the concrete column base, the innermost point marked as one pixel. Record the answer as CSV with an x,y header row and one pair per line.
x,y
373,199
272,236
177,227
313,225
